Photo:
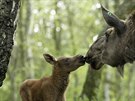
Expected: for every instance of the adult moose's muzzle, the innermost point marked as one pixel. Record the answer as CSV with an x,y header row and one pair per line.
x,y
93,56
110,47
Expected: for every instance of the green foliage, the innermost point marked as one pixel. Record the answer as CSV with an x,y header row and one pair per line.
x,y
61,28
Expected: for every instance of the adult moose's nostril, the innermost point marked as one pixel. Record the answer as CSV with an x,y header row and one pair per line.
x,y
87,57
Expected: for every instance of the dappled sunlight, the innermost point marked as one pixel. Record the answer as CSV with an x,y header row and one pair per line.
x,y
66,28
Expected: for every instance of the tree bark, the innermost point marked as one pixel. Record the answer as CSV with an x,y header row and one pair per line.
x,y
8,13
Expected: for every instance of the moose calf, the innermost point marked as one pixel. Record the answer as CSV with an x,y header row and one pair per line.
x,y
51,88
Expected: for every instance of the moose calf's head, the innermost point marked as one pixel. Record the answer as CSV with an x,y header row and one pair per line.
x,y
65,64
117,46
51,88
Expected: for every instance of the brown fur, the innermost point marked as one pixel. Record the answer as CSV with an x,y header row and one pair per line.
x,y
51,88
117,46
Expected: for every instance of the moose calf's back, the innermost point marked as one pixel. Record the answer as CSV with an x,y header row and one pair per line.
x,y
51,88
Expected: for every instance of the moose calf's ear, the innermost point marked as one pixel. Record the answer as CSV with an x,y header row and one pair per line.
x,y
49,58
112,19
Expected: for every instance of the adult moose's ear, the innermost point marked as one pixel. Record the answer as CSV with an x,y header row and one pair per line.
x,y
49,58
112,20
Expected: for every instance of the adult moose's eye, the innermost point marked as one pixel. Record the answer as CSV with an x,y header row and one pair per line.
x,y
107,35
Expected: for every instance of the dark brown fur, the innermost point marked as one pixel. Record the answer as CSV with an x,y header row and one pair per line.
x,y
51,88
117,46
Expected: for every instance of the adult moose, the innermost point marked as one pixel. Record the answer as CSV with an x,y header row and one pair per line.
x,y
117,46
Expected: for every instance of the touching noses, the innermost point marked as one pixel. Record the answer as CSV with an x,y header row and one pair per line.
x,y
88,58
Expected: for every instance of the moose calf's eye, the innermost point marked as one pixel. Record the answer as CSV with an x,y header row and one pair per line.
x,y
66,61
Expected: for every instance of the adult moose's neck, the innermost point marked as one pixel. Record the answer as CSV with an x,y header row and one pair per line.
x,y
129,39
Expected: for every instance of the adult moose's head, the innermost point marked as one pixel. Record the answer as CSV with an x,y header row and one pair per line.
x,y
117,46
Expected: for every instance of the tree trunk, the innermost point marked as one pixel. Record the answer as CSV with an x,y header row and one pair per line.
x,y
57,30
18,59
8,13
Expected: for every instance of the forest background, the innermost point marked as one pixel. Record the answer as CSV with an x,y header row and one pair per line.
x,y
66,28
